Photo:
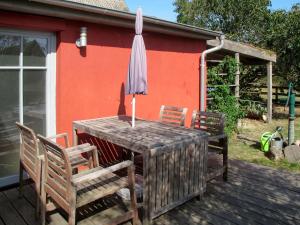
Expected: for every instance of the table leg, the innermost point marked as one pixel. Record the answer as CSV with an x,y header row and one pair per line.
x,y
146,191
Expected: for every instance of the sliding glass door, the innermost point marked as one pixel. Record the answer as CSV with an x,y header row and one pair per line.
x,y
26,67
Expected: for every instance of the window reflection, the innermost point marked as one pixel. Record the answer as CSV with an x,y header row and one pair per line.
x,y
10,47
34,100
9,114
35,51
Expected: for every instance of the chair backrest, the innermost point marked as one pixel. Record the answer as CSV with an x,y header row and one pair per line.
x,y
29,151
172,115
57,171
211,122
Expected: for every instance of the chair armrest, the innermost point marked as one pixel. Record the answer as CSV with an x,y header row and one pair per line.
x,y
62,135
76,151
98,172
41,158
79,149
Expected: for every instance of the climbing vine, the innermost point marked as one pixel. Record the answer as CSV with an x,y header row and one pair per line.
x,y
220,78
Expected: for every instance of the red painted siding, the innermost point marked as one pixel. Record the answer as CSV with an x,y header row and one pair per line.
x,y
90,83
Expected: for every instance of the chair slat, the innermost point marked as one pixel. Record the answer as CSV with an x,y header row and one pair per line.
x,y
92,194
29,148
57,198
57,168
174,108
171,118
173,115
54,158
28,162
58,177
30,157
61,190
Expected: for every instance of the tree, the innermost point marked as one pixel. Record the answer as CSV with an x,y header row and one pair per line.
x,y
283,36
240,20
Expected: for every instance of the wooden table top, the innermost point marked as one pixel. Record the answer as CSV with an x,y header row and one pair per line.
x,y
147,135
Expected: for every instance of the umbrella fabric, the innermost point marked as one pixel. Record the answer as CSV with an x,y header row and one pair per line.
x,y
137,70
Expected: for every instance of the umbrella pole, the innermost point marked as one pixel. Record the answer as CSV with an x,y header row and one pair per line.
x,y
133,112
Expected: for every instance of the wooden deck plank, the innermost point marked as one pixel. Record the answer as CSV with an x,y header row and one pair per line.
x,y
191,216
274,193
8,213
231,212
264,171
22,206
266,179
246,209
1,223
253,195
30,194
264,208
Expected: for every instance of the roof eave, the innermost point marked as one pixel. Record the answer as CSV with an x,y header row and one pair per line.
x,y
75,11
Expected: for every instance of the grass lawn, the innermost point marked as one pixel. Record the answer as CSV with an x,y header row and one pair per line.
x,y
242,151
248,151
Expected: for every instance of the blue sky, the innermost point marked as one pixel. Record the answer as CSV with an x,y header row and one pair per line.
x,y
163,9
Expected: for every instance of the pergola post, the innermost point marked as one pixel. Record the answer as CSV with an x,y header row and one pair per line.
x,y
237,76
270,91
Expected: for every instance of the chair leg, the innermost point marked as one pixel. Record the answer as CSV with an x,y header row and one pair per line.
x,y
72,216
133,201
225,159
72,212
21,180
38,203
43,207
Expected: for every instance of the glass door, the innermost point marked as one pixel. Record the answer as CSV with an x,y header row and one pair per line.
x,y
24,67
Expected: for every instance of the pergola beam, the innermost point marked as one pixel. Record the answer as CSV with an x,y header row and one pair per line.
x,y
270,91
245,50
237,76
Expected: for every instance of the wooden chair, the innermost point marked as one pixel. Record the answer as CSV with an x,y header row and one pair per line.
x,y
172,115
73,191
31,159
213,124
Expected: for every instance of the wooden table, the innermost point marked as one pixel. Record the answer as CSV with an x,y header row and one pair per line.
x,y
174,158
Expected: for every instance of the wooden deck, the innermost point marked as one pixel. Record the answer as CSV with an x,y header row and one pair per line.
x,y
253,195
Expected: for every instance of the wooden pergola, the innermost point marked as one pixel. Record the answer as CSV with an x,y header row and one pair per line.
x,y
248,55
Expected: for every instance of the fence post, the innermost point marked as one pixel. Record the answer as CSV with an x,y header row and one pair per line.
x,y
276,94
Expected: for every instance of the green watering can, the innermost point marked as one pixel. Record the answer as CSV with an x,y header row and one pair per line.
x,y
267,137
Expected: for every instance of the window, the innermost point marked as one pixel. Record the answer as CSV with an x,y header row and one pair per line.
x,y
27,91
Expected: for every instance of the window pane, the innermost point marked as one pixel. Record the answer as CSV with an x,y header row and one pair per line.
x,y
10,47
35,51
34,99
9,114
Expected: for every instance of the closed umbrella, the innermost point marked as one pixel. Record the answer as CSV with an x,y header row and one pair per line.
x,y
137,70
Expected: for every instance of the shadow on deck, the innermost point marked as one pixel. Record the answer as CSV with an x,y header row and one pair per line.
x,y
253,195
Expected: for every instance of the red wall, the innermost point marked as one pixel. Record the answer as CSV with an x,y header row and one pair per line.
x,y
90,83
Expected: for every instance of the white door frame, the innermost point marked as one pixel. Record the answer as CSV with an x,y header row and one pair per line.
x,y
50,85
